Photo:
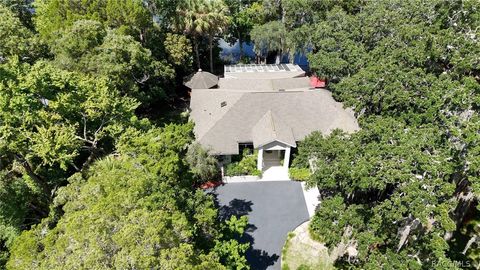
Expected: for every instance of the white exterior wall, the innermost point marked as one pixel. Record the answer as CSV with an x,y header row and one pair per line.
x,y
277,146
260,159
286,160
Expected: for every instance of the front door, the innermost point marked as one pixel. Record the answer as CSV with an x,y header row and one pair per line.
x,y
272,158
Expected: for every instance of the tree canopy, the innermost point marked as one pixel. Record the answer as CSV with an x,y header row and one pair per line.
x,y
398,193
130,210
85,180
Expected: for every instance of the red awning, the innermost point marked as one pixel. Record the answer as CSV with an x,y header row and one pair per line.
x,y
316,82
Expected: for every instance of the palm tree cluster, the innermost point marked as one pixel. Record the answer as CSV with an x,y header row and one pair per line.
x,y
202,19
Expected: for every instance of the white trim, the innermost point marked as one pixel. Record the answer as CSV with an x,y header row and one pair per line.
x,y
260,159
240,179
263,144
311,198
286,158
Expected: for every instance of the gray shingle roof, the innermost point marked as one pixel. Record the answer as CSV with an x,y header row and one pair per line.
x,y
254,85
304,111
201,80
271,128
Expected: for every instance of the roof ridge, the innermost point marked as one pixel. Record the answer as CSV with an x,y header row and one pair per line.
x,y
272,123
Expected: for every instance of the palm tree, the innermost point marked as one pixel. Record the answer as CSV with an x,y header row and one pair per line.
x,y
219,21
200,18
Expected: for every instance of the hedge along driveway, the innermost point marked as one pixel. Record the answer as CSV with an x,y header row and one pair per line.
x,y
273,209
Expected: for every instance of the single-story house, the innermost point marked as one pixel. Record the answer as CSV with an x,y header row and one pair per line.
x,y
267,107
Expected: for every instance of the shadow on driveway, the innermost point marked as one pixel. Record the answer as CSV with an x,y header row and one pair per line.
x,y
273,209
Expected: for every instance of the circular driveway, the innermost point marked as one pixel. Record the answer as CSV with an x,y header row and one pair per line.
x,y
274,208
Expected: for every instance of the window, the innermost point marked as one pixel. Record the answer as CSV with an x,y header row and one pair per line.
x,y
242,146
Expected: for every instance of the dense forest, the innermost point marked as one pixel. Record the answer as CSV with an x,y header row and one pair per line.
x,y
98,169
94,171
403,192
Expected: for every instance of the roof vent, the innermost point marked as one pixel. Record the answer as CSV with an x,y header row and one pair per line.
x,y
223,104
281,90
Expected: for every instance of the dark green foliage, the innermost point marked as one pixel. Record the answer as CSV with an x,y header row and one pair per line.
x,y
85,183
132,210
89,48
15,195
202,165
269,37
397,190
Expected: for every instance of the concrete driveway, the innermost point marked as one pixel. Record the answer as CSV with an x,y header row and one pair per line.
x,y
274,208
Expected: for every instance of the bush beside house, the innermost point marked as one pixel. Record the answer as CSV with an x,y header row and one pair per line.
x,y
299,174
246,166
203,165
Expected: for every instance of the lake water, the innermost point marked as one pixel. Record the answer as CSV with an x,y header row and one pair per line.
x,y
231,53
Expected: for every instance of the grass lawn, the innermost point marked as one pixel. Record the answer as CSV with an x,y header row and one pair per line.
x,y
303,253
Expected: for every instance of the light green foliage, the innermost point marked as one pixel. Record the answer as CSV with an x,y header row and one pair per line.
x,y
53,122
179,49
299,174
131,16
77,41
128,212
83,182
49,114
231,250
14,207
130,67
202,165
246,166
149,144
115,39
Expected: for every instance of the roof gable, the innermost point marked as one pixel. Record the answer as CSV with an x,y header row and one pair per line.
x,y
270,129
301,111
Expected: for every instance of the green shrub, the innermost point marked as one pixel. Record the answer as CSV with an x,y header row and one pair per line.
x,y
246,166
299,174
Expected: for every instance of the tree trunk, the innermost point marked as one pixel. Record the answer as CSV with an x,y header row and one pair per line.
x,y
32,175
240,44
210,47
197,53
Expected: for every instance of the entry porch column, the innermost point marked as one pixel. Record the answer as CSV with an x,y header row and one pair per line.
x,y
286,159
260,159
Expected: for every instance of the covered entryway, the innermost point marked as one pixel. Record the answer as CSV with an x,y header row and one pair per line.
x,y
273,161
272,158
274,140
